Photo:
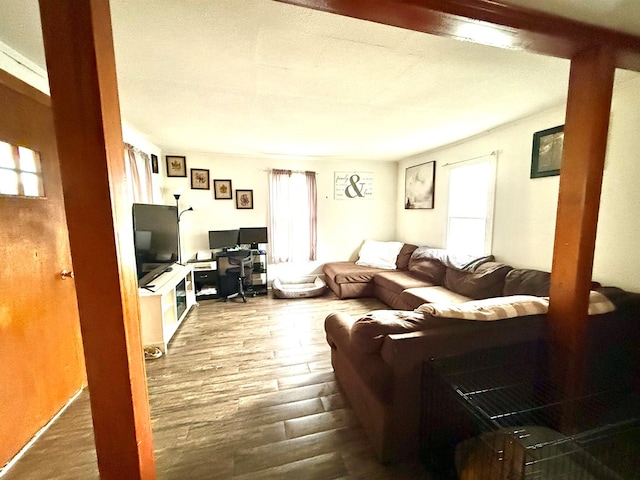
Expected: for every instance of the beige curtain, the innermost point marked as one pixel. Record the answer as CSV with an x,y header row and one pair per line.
x,y
293,202
139,174
312,202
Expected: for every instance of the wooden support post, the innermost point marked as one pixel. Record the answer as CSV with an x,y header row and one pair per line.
x,y
81,65
585,141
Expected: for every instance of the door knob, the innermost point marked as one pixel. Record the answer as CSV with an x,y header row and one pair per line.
x,y
64,274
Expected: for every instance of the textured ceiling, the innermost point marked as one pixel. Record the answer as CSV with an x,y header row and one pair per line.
x,y
262,78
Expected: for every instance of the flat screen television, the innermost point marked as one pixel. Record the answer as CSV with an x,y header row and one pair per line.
x,y
155,230
223,239
253,236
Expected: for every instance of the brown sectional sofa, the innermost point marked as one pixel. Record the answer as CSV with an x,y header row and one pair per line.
x,y
349,280
378,358
422,275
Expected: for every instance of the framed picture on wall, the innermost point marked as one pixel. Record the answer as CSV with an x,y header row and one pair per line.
x,y
419,182
546,155
154,163
176,166
199,179
244,199
222,190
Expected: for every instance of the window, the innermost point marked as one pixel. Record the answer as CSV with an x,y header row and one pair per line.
x,y
470,216
293,202
20,171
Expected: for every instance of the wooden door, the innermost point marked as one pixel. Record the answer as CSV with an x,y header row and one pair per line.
x,y
41,357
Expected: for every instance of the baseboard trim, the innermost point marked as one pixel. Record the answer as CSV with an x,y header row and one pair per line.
x,y
33,440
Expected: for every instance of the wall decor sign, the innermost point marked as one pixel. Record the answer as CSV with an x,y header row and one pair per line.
x,y
176,166
419,186
348,185
244,199
154,163
199,179
222,190
546,155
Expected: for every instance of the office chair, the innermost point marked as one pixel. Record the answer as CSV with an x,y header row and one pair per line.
x,y
241,258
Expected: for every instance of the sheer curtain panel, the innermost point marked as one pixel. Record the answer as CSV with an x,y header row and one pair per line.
x,y
139,169
293,202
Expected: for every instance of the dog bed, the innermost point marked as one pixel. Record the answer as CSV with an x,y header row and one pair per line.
x,y
299,287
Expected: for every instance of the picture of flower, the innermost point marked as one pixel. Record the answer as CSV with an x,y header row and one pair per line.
x,y
244,199
199,179
222,189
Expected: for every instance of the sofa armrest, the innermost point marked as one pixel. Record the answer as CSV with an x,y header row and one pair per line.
x,y
337,326
405,350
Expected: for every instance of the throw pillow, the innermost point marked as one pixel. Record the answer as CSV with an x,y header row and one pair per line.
x,y
379,254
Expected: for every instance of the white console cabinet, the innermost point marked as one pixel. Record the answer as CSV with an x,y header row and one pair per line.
x,y
164,304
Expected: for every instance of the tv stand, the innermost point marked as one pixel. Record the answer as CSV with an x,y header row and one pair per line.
x,y
165,304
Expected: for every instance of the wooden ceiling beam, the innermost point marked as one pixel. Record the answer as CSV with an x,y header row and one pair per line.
x,y
491,23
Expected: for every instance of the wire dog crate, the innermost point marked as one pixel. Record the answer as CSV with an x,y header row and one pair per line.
x,y
497,415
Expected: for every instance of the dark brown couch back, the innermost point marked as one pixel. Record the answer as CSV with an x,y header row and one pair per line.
x,y
523,281
486,281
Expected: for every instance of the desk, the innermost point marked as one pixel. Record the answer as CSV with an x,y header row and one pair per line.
x,y
256,276
207,279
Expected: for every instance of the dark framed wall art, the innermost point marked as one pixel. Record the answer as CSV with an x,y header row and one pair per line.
x,y
244,199
546,155
222,190
176,166
419,185
199,179
154,163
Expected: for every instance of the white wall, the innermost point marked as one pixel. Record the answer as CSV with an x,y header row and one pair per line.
x,y
525,208
342,224
617,258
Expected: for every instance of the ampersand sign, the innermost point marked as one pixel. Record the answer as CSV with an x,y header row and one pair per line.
x,y
354,190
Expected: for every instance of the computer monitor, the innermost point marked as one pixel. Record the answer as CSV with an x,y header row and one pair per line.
x,y
223,239
253,236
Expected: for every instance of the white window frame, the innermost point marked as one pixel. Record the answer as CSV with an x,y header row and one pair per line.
x,y
15,167
490,202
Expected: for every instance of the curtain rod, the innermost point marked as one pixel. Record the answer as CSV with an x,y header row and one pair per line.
x,y
492,154
292,171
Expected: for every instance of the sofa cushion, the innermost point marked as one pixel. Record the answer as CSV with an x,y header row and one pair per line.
x,y
415,297
399,280
378,254
523,281
402,262
349,272
369,331
453,260
485,282
424,266
488,309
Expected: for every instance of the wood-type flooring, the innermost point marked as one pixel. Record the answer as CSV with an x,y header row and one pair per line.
x,y
246,391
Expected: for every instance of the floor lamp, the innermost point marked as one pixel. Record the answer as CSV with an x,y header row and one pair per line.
x,y
177,197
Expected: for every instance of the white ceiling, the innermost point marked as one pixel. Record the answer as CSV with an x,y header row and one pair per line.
x,y
262,78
